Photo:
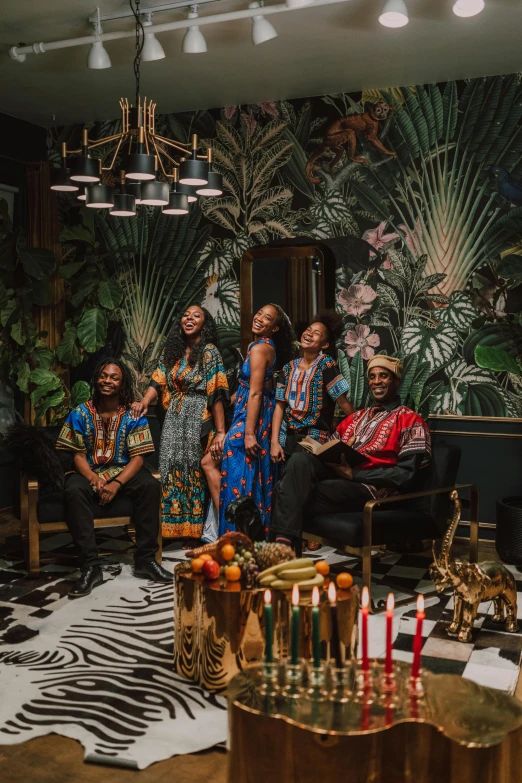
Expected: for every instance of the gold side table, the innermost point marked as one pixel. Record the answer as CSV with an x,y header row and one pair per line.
x,y
219,627
459,732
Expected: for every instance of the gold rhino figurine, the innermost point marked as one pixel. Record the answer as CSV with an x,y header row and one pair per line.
x,y
473,583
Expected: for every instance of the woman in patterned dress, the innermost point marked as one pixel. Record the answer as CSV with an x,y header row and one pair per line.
x,y
308,389
193,386
247,468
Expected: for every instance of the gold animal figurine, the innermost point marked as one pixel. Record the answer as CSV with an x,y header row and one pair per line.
x,y
473,583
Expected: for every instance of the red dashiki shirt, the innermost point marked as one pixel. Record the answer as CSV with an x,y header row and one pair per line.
x,y
396,442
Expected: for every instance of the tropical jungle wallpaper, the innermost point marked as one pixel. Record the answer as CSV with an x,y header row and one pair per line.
x,y
429,175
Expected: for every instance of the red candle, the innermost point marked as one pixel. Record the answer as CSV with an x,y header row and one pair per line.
x,y
388,666
417,642
365,610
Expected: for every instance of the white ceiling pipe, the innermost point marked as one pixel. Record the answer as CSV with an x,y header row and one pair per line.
x,y
19,52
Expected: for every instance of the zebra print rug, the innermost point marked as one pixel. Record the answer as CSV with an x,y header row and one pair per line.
x,y
99,670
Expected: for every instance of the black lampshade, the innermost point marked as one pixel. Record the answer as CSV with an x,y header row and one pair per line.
x,y
124,205
214,186
140,167
178,204
193,172
99,196
189,192
155,194
81,194
84,169
134,188
60,180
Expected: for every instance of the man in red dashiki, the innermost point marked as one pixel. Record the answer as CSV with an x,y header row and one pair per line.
x,y
108,445
394,439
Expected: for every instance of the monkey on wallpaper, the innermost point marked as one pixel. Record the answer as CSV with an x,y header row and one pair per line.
x,y
342,134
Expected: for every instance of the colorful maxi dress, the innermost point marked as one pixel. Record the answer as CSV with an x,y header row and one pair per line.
x,y
240,474
310,397
187,394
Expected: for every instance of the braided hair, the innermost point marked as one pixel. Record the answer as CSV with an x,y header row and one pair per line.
x,y
176,342
284,339
126,392
333,324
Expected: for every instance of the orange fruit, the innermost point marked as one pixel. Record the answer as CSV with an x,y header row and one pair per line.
x,y
322,567
197,565
228,552
233,573
344,580
206,556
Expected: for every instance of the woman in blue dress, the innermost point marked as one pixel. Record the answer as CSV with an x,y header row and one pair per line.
x,y
247,468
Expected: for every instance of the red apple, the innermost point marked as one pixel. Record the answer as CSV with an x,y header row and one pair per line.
x,y
211,569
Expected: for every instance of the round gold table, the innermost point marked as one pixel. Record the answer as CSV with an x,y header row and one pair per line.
x,y
219,627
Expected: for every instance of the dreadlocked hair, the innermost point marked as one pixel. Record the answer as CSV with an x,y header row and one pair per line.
x,y
284,339
127,386
176,345
333,324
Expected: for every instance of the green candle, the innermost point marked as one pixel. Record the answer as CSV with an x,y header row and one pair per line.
x,y
295,626
269,629
316,638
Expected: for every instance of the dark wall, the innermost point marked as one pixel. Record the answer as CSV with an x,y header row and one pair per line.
x,y
22,143
491,457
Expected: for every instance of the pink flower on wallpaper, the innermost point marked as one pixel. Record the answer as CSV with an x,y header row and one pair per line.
x,y
356,299
411,237
377,238
250,122
387,264
360,339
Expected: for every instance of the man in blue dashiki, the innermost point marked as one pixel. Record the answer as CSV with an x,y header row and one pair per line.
x,y
108,446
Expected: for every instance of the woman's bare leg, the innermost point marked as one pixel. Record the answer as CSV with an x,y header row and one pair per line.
x,y
212,471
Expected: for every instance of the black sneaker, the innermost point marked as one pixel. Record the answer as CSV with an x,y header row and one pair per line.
x,y
90,578
153,571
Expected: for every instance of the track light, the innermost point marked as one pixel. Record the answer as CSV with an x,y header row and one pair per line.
x,y
298,3
394,14
468,7
98,58
152,49
194,40
262,29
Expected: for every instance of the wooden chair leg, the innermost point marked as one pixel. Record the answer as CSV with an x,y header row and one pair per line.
x,y
367,551
33,535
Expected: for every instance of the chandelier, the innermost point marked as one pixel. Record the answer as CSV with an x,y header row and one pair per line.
x,y
186,173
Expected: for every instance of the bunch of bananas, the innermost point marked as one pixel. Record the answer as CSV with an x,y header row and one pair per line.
x,y
294,572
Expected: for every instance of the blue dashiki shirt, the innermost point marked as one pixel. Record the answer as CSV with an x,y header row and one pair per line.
x,y
108,449
310,397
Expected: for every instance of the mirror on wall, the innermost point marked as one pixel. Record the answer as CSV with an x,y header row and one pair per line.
x,y
299,279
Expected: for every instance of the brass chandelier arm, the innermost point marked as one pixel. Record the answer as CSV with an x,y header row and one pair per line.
x,y
93,144
161,152
184,148
113,161
158,157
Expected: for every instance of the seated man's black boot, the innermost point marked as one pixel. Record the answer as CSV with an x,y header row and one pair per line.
x,y
150,569
90,577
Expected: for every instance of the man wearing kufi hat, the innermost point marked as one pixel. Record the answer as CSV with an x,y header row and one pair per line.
x,y
394,439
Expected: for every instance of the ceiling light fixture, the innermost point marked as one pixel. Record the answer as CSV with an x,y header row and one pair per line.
x,y
146,153
98,58
194,40
124,203
178,202
468,7
152,49
394,14
214,186
262,29
298,3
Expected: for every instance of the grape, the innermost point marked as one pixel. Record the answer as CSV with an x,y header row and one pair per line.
x,y
248,555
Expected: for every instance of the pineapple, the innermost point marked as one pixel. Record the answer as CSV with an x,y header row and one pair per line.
x,y
268,555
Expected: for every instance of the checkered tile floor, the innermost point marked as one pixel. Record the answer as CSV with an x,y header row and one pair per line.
x,y
492,658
